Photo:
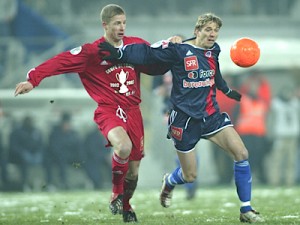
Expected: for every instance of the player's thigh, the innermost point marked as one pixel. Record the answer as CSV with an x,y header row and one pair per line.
x,y
229,140
119,138
188,162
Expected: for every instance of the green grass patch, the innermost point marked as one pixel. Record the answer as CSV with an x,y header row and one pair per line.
x,y
211,206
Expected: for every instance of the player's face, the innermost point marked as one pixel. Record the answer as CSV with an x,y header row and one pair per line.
x,y
115,29
207,36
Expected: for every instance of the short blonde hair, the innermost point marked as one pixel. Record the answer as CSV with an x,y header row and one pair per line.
x,y
205,18
109,11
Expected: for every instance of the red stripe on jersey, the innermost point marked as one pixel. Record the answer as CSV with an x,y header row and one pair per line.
x,y
210,109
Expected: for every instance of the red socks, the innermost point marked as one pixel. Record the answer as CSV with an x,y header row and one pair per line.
x,y
119,170
120,184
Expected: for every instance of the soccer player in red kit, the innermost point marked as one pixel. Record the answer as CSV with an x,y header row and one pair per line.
x,y
115,87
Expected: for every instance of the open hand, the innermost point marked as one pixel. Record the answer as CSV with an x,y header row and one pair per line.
x,y
23,88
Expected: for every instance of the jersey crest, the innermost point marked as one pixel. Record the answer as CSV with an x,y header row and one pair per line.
x,y
208,54
122,78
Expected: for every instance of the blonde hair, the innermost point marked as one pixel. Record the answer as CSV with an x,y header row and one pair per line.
x,y
109,11
205,18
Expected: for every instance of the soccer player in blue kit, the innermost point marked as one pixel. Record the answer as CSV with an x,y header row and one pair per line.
x,y
196,114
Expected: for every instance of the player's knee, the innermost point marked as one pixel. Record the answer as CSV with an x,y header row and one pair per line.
x,y
190,177
123,148
241,155
132,175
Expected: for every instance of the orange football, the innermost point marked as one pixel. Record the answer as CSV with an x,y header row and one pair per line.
x,y
245,52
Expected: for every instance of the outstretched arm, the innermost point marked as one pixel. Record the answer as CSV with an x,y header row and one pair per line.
x,y
142,54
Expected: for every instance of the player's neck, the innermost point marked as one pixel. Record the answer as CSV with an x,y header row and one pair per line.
x,y
116,44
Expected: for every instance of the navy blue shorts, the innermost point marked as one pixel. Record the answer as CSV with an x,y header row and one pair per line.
x,y
186,131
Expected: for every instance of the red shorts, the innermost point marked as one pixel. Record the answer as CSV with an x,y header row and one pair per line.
x,y
108,117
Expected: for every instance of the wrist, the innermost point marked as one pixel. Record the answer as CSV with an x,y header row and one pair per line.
x,y
229,90
30,81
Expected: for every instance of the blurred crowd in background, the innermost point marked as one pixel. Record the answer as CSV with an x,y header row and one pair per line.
x,y
63,157
35,161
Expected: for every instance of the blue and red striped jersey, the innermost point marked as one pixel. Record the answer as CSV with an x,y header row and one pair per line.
x,y
196,73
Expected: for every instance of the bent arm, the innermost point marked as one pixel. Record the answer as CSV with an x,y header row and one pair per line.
x,y
220,82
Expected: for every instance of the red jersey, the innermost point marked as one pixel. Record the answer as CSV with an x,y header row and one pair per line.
x,y
108,83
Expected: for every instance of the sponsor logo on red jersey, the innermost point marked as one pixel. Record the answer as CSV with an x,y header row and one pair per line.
x,y
191,63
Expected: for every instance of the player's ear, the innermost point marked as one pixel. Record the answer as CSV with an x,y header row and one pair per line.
x,y
196,31
104,25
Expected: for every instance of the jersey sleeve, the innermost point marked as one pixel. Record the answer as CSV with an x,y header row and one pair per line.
x,y
220,82
143,54
153,69
73,61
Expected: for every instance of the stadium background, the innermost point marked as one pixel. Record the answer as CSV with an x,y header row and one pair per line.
x,y
45,28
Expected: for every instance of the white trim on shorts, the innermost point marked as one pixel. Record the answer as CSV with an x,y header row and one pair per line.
x,y
215,131
221,128
182,151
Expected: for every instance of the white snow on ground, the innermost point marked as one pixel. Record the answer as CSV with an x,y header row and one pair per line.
x,y
48,204
290,216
